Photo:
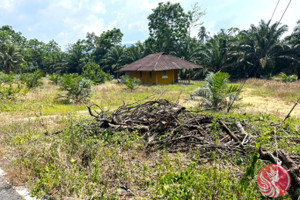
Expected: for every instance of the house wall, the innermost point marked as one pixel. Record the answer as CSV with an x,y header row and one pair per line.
x,y
172,77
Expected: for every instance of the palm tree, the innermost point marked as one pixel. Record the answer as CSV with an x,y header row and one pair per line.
x,y
134,52
217,93
294,38
261,46
214,54
77,57
203,35
291,54
11,58
189,50
114,59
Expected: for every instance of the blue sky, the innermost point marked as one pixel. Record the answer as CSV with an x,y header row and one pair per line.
x,y
66,21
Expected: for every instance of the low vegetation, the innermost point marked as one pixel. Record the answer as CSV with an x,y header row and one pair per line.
x,y
76,89
217,94
131,83
32,80
162,149
59,157
286,78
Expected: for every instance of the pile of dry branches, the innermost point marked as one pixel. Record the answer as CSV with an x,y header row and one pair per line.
x,y
168,125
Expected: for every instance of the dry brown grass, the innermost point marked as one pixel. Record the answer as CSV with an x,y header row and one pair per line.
x,y
47,91
272,84
270,97
252,103
271,88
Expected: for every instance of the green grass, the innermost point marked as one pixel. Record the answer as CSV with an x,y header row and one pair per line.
x,y
109,95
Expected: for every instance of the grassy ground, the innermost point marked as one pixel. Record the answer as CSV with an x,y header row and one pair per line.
x,y
42,101
54,163
270,97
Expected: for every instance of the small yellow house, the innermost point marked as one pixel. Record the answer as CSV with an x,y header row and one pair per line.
x,y
158,68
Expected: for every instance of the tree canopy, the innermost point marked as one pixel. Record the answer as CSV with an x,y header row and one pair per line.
x,y
260,51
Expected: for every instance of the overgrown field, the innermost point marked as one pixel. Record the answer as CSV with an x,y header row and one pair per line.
x,y
50,151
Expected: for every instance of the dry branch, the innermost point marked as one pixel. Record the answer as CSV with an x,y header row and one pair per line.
x,y
290,164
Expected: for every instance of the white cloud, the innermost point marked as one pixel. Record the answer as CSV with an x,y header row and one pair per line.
x,y
70,20
99,8
147,5
8,5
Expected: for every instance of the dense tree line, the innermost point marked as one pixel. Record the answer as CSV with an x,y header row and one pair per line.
x,y
260,51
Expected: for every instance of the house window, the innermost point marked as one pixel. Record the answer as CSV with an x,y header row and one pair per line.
x,y
127,74
150,74
141,74
165,74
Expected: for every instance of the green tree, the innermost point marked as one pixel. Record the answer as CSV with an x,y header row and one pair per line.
x,y
217,93
114,59
93,72
168,23
135,52
216,53
294,38
261,47
291,55
104,43
203,35
77,57
8,35
11,58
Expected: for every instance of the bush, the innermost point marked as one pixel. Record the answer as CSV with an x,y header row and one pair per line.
x,y
7,78
131,83
286,78
93,72
32,80
217,93
55,78
78,89
11,90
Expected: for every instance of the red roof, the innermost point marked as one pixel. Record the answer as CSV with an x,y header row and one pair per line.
x,y
159,62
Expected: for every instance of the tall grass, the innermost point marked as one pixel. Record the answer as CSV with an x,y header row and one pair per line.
x,y
271,88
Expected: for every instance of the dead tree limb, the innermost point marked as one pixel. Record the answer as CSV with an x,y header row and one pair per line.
x,y
291,165
224,126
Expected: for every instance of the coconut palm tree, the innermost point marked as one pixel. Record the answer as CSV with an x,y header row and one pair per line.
x,y
10,58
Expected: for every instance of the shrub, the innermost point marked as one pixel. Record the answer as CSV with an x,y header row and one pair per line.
x,y
32,80
131,83
7,78
55,78
217,93
286,78
93,72
78,89
11,90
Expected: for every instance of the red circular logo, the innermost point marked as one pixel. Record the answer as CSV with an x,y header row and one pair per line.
x,y
274,180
